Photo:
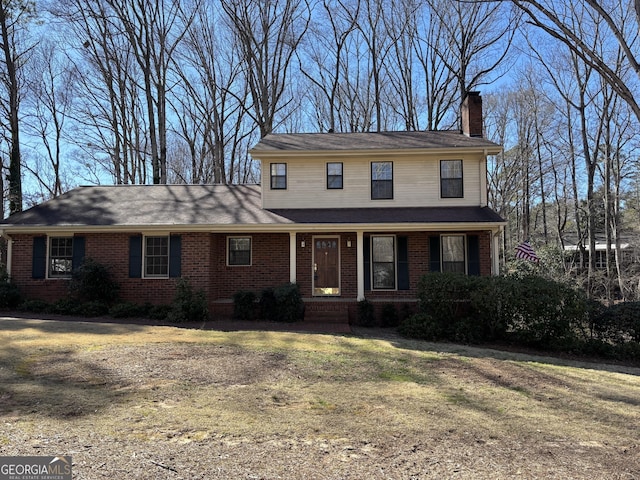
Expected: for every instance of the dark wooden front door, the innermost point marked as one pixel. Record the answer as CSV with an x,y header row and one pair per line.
x,y
326,267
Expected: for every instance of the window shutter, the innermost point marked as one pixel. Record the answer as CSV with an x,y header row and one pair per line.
x,y
39,259
403,263
367,263
473,254
135,256
175,255
434,254
78,252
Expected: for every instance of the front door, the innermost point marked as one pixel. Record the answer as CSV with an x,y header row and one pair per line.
x,y
326,266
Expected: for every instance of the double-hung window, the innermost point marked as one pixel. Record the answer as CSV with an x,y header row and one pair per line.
x,y
383,262
453,253
156,256
381,180
239,251
451,179
334,175
60,257
278,176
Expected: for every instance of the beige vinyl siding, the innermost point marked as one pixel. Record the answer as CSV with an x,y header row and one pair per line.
x,y
416,183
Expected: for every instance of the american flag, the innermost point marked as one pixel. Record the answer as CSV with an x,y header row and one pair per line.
x,y
525,251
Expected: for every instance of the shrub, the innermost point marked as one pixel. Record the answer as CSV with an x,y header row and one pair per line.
x,y
93,309
35,306
129,310
366,313
289,303
244,305
421,326
92,282
282,304
158,312
188,305
389,316
66,306
268,305
9,295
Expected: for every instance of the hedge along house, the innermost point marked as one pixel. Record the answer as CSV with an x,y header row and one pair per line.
x,y
347,216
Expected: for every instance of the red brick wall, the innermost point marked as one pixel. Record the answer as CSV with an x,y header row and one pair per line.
x,y
204,263
269,265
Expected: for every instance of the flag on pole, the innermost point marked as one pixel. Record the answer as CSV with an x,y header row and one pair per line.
x,y
525,251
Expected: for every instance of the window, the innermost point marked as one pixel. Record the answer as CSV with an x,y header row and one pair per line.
x,y
451,179
334,175
278,176
156,256
381,180
453,258
383,261
239,251
60,257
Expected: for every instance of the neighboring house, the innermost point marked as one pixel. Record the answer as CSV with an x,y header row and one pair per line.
x,y
572,253
348,216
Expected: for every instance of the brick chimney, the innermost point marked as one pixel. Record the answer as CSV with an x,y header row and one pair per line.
x,y
472,115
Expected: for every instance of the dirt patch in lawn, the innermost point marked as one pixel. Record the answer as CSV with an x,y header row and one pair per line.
x,y
160,402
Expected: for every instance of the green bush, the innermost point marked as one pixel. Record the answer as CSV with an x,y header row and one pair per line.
x,y
66,306
159,312
421,326
35,306
9,294
282,304
92,282
366,313
289,302
93,309
244,305
129,310
268,305
389,317
188,305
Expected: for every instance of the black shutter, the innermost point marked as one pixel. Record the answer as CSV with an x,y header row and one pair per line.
x,y
135,256
367,263
434,254
473,254
403,263
175,255
39,259
78,252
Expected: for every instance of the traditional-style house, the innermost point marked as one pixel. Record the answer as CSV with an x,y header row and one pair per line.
x,y
347,216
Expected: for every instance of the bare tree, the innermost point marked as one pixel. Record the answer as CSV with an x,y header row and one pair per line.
x,y
268,34
617,21
14,17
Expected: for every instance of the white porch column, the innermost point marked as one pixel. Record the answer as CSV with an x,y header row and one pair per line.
x,y
495,253
292,257
360,263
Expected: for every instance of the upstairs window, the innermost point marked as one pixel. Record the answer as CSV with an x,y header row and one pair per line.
x,y
451,179
156,257
60,257
334,175
381,180
278,176
239,251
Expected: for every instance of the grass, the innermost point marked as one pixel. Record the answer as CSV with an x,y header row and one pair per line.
x,y
161,384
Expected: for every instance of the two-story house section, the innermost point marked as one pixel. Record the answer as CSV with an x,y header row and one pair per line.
x,y
347,216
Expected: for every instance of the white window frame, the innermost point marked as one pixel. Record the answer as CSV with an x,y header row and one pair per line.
x,y
228,254
65,276
395,264
145,239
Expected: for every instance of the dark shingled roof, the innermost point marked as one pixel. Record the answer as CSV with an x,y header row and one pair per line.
x,y
297,142
215,205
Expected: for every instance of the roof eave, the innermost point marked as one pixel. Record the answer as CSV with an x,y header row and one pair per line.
x,y
9,230
484,150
